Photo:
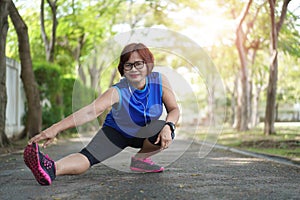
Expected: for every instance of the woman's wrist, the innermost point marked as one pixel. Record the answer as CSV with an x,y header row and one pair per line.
x,y
56,128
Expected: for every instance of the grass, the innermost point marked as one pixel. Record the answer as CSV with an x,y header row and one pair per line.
x,y
285,143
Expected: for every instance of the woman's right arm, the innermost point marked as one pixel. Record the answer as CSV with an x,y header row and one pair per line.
x,y
82,116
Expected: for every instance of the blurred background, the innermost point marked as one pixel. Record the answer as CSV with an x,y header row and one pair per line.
x,y
253,44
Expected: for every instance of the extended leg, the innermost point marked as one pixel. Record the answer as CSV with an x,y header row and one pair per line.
x,y
72,164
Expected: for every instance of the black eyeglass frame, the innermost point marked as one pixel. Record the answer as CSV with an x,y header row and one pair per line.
x,y
137,64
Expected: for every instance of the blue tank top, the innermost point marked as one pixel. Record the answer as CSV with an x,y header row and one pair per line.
x,y
136,108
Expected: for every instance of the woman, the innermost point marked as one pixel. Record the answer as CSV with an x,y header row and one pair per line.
x,y
136,106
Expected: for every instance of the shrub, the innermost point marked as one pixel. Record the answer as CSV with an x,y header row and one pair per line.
x,y
48,77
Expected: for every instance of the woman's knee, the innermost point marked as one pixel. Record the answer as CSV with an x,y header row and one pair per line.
x,y
92,160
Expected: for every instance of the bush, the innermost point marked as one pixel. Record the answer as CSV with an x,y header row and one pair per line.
x,y
48,77
67,90
58,97
75,96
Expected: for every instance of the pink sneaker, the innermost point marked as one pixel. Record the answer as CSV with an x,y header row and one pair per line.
x,y
42,167
144,165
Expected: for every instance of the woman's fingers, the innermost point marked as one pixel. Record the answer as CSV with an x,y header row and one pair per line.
x,y
165,143
47,142
157,140
35,139
44,135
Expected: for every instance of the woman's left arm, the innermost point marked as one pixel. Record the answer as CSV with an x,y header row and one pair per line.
x,y
173,113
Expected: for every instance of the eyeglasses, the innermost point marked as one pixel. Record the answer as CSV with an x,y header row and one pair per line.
x,y
136,64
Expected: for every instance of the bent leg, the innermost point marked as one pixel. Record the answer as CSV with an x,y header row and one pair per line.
x,y
148,149
151,133
75,163
141,162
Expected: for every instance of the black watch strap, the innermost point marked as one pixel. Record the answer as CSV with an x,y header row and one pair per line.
x,y
172,127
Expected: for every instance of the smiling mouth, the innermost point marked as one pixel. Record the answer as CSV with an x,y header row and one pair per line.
x,y
133,75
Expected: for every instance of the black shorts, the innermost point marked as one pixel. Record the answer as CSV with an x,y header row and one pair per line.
x,y
109,142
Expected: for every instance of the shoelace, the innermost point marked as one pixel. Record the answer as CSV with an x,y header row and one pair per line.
x,y
47,162
148,160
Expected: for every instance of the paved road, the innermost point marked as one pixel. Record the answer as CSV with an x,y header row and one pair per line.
x,y
221,174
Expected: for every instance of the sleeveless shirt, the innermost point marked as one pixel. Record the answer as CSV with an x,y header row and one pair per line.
x,y
136,108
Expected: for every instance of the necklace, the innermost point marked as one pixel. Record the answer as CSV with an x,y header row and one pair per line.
x,y
137,101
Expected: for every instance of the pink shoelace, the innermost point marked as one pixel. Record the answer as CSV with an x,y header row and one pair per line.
x,y
147,160
47,162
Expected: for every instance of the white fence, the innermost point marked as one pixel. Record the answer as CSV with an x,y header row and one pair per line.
x,y
15,108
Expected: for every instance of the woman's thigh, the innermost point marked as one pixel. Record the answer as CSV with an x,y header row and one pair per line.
x,y
150,132
105,144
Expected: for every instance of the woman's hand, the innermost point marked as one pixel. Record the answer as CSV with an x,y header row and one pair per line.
x,y
48,135
164,137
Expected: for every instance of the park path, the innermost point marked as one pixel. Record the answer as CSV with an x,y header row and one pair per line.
x,y
221,174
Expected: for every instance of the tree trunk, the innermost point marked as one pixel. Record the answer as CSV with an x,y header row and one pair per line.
x,y
273,75
4,6
255,107
242,101
49,45
77,54
34,114
234,105
243,90
113,76
94,73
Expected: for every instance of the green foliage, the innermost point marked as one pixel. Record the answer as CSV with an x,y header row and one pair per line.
x,y
48,76
67,90
51,114
83,25
288,87
289,36
75,94
60,95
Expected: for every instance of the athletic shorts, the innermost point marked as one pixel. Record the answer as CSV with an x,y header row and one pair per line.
x,y
109,142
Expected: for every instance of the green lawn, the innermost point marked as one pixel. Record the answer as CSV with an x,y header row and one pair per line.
x,y
285,143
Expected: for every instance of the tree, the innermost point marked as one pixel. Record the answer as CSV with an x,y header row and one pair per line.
x,y
273,70
243,92
34,114
49,44
4,5
247,43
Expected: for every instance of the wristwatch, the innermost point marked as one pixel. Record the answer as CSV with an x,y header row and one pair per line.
x,y
172,127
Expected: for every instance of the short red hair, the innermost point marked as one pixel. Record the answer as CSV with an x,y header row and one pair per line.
x,y
142,50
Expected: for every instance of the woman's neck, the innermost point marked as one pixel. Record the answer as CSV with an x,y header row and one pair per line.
x,y
139,85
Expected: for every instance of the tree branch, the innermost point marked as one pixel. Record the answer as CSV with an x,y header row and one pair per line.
x,y
244,14
43,31
53,7
282,15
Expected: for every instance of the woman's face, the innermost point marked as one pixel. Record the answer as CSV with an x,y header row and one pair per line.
x,y
136,76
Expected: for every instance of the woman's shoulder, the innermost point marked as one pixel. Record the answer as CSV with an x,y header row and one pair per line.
x,y
154,74
155,77
121,84
158,76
